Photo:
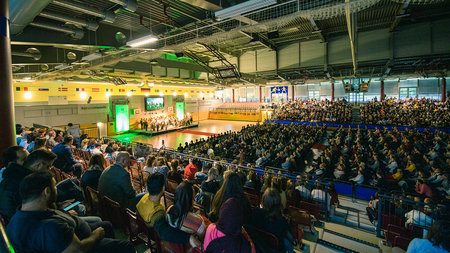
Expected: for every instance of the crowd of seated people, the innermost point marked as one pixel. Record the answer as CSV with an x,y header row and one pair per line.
x,y
163,122
267,144
416,163
409,112
314,110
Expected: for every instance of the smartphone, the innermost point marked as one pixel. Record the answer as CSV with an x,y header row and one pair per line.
x,y
72,206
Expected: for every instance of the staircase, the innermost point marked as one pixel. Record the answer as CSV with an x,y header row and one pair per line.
x,y
356,115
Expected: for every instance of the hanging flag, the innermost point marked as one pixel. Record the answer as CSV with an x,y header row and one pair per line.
x,y
43,89
110,90
80,89
121,90
133,90
63,89
17,88
145,89
95,89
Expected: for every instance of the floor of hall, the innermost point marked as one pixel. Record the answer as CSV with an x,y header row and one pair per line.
x,y
173,139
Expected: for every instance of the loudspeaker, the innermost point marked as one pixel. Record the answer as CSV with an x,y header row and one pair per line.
x,y
89,100
179,55
273,35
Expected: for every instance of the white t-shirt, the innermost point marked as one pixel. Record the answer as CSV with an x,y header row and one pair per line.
x,y
423,245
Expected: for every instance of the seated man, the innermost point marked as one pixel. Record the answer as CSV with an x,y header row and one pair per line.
x,y
115,182
39,160
65,160
38,228
153,213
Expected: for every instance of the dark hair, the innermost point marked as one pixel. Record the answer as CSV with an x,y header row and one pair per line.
x,y
150,160
155,183
182,205
32,185
70,124
231,188
271,201
439,234
174,165
68,138
39,143
10,154
97,159
37,156
19,129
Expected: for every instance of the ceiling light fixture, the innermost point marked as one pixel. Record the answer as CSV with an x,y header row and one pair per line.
x,y
28,95
142,41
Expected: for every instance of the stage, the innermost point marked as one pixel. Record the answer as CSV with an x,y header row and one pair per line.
x,y
153,133
173,137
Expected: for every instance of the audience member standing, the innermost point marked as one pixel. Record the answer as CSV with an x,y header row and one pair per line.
x,y
76,134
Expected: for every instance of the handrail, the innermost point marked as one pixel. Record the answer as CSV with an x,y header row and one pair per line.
x,y
6,246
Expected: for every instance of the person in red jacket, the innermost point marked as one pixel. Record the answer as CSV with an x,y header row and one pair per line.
x,y
423,188
191,169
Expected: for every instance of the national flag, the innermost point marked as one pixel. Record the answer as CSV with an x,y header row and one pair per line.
x,y
43,89
95,89
165,91
121,90
133,90
110,90
63,89
17,88
145,89
179,90
80,89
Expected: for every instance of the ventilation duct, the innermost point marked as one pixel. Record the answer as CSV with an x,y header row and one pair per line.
x,y
130,5
75,33
90,25
22,13
107,16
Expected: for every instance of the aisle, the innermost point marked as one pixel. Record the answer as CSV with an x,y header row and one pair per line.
x,y
173,139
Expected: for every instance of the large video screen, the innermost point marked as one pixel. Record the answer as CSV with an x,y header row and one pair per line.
x,y
154,103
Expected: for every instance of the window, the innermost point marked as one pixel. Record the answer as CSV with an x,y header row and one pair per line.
x,y
314,94
408,93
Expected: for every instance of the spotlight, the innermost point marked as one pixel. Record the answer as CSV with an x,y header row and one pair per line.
x,y
83,95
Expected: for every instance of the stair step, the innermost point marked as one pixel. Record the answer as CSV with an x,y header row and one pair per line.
x,y
335,246
351,238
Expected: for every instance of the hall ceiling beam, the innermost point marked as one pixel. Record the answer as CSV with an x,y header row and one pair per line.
x,y
401,13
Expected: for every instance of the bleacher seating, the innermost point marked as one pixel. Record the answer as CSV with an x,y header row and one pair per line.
x,y
247,106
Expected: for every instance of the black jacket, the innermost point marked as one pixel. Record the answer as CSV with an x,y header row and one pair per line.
x,y
9,189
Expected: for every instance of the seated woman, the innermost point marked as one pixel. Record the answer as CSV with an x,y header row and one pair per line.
x,y
179,215
92,174
292,195
173,173
231,188
228,235
269,219
253,181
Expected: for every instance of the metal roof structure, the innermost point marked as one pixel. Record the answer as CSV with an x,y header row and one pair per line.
x,y
182,24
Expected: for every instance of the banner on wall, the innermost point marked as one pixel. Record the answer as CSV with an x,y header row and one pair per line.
x,y
279,93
